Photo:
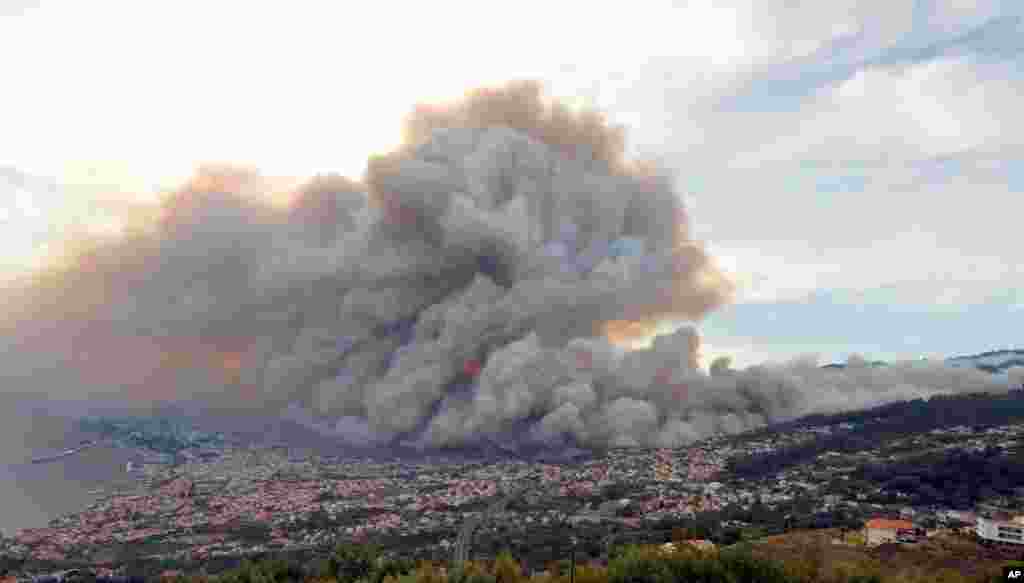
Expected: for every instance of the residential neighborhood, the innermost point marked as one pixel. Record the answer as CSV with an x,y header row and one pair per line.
x,y
246,500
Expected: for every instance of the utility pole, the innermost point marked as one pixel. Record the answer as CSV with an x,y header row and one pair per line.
x,y
572,561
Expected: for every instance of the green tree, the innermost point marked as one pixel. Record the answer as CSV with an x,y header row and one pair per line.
x,y
351,562
637,565
745,568
264,571
506,568
391,568
752,533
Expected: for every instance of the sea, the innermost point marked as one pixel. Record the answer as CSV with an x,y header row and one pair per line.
x,y
32,494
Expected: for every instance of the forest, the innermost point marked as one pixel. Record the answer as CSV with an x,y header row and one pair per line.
x,y
956,479
871,428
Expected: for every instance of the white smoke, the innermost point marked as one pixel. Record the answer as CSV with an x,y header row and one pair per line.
x,y
471,290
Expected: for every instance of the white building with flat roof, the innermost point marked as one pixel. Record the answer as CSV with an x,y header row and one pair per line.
x,y
1002,531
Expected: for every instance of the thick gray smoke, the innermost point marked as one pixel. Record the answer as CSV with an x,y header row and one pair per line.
x,y
474,288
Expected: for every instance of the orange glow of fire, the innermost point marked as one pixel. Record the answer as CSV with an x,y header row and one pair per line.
x,y
626,333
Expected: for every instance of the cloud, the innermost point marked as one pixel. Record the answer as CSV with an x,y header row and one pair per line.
x,y
869,41
907,158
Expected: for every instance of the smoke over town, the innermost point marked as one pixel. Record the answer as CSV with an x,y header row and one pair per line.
x,y
478,286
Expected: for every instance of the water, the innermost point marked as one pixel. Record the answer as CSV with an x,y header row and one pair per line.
x,y
33,494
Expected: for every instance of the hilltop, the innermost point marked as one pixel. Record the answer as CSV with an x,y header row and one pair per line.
x,y
945,556
993,361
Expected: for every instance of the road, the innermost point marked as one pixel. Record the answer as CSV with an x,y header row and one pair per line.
x,y
465,539
464,542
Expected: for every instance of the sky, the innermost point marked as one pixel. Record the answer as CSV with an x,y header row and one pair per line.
x,y
855,165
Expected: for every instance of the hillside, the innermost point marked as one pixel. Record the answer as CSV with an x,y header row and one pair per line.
x,y
993,361
863,430
996,361
940,558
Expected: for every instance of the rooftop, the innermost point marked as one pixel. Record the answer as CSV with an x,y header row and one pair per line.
x,y
887,524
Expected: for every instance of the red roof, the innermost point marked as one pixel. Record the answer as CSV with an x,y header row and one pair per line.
x,y
472,367
886,524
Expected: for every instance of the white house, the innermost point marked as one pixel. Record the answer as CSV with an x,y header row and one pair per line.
x,y
1002,531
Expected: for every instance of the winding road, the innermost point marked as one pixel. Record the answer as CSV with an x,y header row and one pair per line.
x,y
464,542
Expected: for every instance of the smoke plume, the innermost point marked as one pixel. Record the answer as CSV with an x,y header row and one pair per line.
x,y
477,285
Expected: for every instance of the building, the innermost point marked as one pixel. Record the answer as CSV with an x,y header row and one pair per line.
x,y
962,516
964,522
1001,530
704,545
883,530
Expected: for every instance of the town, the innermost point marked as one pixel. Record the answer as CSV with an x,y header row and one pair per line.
x,y
215,505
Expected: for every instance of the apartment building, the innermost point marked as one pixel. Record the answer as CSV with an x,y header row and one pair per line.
x,y
1001,530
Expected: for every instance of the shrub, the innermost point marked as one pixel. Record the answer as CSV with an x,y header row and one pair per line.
x,y
864,579
637,565
507,569
469,571
265,571
745,568
589,574
390,568
351,562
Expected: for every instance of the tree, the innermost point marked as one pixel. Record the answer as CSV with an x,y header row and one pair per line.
x,y
616,491
720,365
752,533
265,571
506,568
731,536
352,562
391,568
636,565
742,566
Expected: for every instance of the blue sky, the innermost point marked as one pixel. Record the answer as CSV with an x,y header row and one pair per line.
x,y
856,165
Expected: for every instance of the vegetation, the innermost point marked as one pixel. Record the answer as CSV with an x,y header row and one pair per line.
x,y
872,427
158,434
957,479
804,561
